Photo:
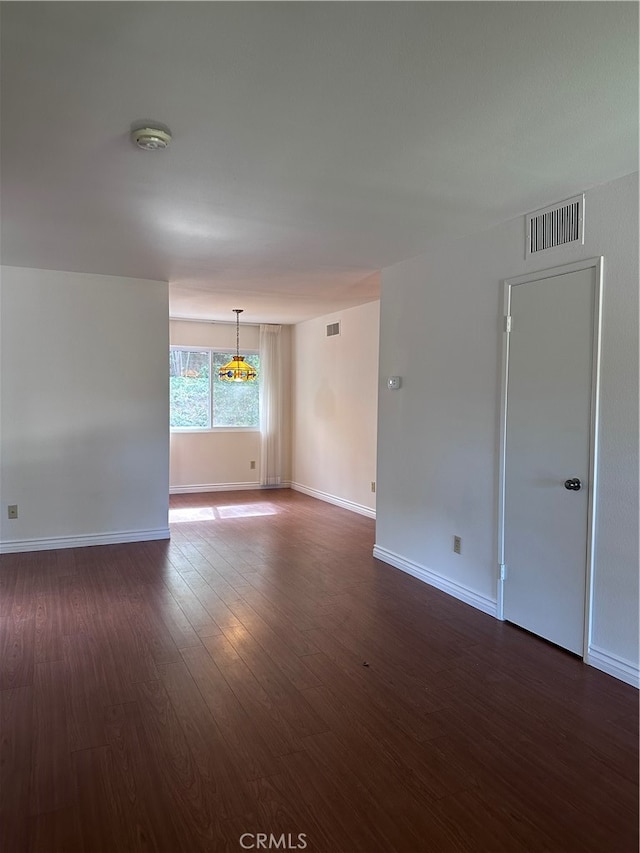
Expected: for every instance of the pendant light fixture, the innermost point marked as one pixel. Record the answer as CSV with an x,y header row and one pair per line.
x,y
237,370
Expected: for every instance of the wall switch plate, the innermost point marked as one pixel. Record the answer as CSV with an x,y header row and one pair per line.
x,y
252,464
373,485
12,511
457,545
394,382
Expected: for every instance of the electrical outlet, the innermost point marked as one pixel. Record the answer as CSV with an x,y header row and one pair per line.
x,y
373,485
457,545
13,511
252,464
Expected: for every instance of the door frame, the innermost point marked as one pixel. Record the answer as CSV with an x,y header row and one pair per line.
x,y
598,265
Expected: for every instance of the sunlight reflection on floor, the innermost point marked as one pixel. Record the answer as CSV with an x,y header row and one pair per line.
x,y
192,513
247,510
210,513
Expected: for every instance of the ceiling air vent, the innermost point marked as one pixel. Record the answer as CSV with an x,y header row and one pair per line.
x,y
556,225
333,329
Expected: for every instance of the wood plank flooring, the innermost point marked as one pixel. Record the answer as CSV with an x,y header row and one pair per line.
x,y
262,673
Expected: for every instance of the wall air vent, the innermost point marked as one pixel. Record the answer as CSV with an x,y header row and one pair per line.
x,y
333,329
554,226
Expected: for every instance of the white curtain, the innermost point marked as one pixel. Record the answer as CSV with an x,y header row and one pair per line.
x,y
270,379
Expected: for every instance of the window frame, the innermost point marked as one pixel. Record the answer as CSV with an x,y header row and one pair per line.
x,y
211,428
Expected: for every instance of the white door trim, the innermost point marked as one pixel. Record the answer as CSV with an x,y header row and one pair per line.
x,y
598,265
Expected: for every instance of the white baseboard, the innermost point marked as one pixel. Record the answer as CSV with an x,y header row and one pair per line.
x,y
463,593
17,546
222,487
333,499
625,670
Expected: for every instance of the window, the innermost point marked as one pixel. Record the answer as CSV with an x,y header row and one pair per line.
x,y
199,400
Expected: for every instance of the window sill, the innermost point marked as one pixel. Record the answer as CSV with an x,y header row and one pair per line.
x,y
190,430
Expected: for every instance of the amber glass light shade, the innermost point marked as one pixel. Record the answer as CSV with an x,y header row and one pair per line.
x,y
237,370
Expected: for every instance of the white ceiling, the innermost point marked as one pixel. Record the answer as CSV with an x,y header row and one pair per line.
x,y
314,143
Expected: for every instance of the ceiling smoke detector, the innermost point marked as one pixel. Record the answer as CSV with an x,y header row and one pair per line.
x,y
151,138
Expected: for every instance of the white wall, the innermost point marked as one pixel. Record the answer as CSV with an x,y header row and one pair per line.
x,y
84,432
220,459
438,437
335,407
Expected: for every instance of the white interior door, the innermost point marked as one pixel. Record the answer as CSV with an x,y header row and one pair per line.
x,y
547,455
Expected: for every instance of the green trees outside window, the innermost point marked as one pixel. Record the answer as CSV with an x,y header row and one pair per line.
x,y
199,400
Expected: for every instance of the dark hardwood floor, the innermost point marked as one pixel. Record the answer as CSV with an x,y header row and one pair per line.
x,y
262,673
